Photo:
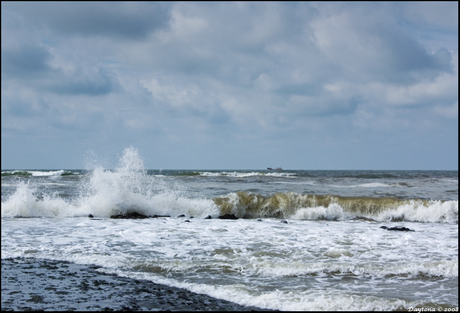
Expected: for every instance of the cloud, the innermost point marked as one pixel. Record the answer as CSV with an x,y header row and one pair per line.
x,y
232,72
133,21
365,46
448,111
431,15
26,61
92,84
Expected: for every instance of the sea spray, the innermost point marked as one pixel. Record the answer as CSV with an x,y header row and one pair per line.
x,y
25,203
129,189
102,193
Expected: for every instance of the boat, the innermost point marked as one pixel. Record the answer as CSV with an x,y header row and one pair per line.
x,y
274,169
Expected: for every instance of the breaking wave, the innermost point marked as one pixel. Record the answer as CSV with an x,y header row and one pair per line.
x,y
328,207
126,189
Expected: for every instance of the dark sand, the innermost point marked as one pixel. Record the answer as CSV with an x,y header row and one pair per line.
x,y
36,284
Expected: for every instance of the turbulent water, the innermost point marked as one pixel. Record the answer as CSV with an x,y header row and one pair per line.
x,y
304,240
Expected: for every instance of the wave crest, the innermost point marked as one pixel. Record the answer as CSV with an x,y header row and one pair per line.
x,y
328,207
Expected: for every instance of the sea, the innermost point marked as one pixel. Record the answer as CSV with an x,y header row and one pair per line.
x,y
303,240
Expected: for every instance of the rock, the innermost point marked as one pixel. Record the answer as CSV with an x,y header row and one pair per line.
x,y
182,215
130,215
397,228
90,216
259,220
155,216
186,221
208,217
362,218
284,221
228,217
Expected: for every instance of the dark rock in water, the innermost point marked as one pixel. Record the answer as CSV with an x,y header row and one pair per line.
x,y
155,216
131,215
208,217
90,216
186,221
397,228
362,218
191,217
284,221
182,215
259,220
228,217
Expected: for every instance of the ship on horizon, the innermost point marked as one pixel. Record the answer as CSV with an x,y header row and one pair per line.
x,y
274,169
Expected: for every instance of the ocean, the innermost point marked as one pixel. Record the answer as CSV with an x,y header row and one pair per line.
x,y
303,240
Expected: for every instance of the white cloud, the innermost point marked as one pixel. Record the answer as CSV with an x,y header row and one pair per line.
x,y
172,94
183,27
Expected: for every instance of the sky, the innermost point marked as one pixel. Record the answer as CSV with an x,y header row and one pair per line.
x,y
230,85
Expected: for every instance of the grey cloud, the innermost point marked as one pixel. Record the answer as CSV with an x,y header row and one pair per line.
x,y
83,88
26,61
92,86
428,15
300,89
231,38
30,62
85,123
442,60
367,43
19,108
126,20
406,55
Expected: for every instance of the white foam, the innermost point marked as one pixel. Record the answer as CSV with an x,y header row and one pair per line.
x,y
243,175
367,185
48,173
333,264
416,211
290,300
281,174
294,183
332,212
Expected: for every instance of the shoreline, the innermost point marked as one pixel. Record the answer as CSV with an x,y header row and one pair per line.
x,y
39,284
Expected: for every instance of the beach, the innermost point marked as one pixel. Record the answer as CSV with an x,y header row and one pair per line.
x,y
37,284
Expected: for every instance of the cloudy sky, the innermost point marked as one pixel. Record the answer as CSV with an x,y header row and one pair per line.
x,y
230,85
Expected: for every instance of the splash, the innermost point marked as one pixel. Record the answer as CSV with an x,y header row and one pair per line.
x,y
25,203
127,188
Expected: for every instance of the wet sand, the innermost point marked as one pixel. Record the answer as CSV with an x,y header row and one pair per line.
x,y
36,284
